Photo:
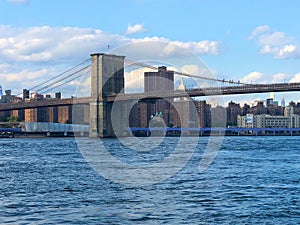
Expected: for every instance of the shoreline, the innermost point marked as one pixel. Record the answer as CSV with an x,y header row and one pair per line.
x,y
86,135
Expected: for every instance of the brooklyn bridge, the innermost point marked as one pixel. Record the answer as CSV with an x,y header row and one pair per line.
x,y
107,89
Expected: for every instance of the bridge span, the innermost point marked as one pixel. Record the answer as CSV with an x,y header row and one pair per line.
x,y
43,103
214,91
107,86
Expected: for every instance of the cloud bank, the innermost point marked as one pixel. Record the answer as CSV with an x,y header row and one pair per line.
x,y
275,43
257,77
30,55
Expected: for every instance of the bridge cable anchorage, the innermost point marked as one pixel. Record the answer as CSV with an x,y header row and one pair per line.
x,y
140,64
64,78
57,76
66,82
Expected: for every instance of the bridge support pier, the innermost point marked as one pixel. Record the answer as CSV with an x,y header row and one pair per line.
x,y
107,78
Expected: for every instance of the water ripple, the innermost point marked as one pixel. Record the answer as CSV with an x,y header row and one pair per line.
x,y
253,180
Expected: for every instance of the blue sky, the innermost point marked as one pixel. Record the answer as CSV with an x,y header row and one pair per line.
x,y
251,41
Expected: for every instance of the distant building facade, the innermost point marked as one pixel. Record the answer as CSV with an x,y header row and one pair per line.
x,y
204,113
288,120
162,80
138,115
232,111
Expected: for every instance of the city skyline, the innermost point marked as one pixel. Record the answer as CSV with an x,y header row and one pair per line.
x,y
254,43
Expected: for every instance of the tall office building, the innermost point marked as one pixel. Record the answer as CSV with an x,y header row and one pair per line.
x,y
204,113
282,101
138,115
233,110
162,80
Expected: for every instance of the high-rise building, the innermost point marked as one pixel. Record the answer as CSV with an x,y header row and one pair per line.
x,y
184,114
8,97
36,115
20,114
245,109
64,114
258,109
162,80
218,116
269,101
233,110
282,102
138,115
204,113
25,94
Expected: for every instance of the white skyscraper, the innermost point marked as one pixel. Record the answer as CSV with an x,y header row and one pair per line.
x,y
282,101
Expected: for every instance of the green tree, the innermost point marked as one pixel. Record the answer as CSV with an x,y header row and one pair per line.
x,y
13,119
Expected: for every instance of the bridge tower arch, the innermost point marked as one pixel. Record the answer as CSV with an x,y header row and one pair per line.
x,y
107,78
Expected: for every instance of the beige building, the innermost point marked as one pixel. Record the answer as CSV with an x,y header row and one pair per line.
x,y
288,120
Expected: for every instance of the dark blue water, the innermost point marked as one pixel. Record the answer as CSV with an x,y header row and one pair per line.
x,y
253,180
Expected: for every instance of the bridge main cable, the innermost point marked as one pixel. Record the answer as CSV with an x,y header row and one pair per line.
x,y
140,64
57,83
41,85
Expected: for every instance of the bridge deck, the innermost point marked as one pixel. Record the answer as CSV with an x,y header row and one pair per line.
x,y
226,90
44,103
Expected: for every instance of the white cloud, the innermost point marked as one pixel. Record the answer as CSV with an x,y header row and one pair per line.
x,y
40,44
296,78
288,51
273,38
258,77
279,77
4,66
201,47
24,75
275,43
259,30
24,52
267,49
134,79
137,28
252,77
197,71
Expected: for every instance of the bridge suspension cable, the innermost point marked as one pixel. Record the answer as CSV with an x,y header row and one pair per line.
x,y
60,83
82,69
44,86
141,64
62,79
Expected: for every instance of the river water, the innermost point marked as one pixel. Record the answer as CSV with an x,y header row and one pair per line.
x,y
252,180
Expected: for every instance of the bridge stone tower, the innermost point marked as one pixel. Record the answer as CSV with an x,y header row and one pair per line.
x,y
107,78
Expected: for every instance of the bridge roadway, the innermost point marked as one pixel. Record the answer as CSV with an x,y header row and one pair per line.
x,y
226,90
52,102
